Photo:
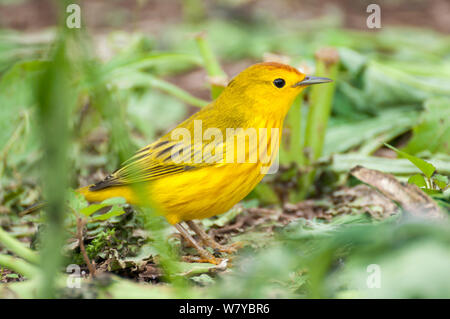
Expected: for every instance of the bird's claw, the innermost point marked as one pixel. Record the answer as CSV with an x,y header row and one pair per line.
x,y
219,262
229,249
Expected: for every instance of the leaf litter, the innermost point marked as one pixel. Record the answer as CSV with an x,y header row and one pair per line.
x,y
122,246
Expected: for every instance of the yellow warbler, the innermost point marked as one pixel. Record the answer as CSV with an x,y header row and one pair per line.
x,y
213,159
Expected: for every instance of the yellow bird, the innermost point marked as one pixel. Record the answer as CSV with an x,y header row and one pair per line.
x,y
207,164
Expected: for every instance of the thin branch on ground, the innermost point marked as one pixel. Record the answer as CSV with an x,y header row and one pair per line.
x,y
80,228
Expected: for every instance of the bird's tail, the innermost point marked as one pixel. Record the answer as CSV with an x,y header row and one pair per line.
x,y
84,191
109,192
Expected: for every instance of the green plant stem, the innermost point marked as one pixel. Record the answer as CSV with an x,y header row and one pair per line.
x,y
55,97
18,265
154,223
295,123
175,91
17,247
217,76
321,98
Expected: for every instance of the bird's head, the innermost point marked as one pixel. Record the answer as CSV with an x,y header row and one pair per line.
x,y
268,88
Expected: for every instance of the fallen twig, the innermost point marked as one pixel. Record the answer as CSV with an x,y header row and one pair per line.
x,y
409,196
80,228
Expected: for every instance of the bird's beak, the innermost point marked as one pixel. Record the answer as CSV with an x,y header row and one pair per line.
x,y
309,80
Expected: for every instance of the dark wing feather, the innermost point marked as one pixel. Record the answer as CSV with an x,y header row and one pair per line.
x,y
149,163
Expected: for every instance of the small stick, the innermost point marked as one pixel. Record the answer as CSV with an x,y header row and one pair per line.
x,y
80,228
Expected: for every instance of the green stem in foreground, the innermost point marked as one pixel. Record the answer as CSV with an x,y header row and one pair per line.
x,y
154,223
17,247
294,122
55,98
217,77
18,265
175,91
321,99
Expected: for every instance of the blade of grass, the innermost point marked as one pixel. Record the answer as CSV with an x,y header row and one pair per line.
x,y
17,247
217,76
18,265
142,79
54,100
321,100
373,144
293,150
341,137
154,223
171,89
327,64
427,168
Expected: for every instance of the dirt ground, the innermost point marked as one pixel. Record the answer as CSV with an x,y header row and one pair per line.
x,y
153,15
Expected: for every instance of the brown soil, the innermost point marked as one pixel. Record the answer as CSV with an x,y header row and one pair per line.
x,y
153,15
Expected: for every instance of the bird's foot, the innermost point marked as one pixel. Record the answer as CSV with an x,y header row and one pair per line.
x,y
228,249
209,241
220,262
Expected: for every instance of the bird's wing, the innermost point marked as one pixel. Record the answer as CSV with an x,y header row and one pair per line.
x,y
157,160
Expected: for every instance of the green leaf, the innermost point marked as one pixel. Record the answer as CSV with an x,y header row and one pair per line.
x,y
114,211
352,60
88,211
16,98
440,180
222,219
144,108
431,191
203,280
77,201
340,136
427,168
342,163
433,131
114,201
418,180
386,85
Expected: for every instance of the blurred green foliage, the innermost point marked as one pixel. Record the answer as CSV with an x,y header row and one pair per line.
x,y
330,260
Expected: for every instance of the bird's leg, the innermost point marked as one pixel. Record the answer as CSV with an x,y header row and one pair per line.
x,y
208,240
204,254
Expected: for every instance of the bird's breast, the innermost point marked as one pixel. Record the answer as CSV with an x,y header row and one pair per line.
x,y
213,189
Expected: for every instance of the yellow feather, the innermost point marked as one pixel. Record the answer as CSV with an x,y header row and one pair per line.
x,y
196,190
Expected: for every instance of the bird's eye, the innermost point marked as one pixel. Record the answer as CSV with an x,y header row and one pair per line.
x,y
279,83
